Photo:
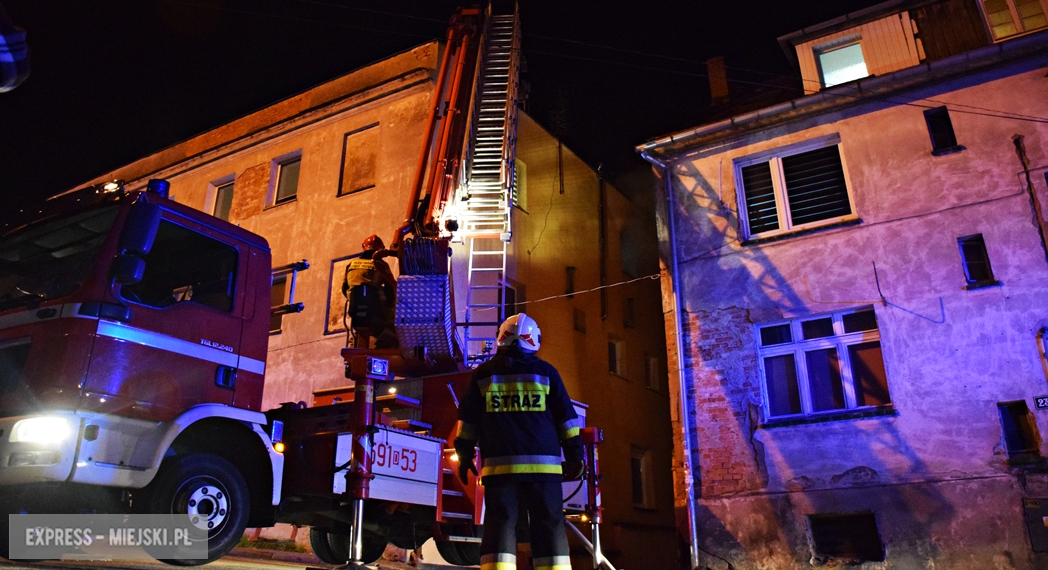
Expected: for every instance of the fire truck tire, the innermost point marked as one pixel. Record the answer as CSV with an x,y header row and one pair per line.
x,y
318,541
374,546
207,488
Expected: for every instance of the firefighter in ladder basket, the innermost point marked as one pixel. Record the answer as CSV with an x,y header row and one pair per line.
x,y
519,411
371,292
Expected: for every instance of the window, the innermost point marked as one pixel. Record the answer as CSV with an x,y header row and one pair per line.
x,y
277,298
569,276
579,319
509,303
629,315
652,372
846,537
940,129
520,185
1010,17
822,364
640,474
793,188
976,262
287,179
1021,439
186,267
359,154
841,64
615,350
223,200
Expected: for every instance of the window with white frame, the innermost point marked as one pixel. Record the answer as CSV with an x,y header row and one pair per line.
x,y
286,178
793,188
841,64
615,350
223,199
822,363
1007,18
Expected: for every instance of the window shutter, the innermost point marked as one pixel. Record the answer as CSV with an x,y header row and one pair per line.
x,y
815,185
760,198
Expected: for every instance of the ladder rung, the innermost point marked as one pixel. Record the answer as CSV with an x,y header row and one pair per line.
x,y
469,539
461,516
488,253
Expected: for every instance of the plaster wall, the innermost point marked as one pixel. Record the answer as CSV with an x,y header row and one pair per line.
x,y
950,354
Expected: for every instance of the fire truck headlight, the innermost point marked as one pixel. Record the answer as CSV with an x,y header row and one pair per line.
x,y
41,430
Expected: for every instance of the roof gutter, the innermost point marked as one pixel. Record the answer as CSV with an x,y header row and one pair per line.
x,y
876,88
678,305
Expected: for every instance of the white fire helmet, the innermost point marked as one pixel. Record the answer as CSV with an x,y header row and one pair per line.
x,y
521,330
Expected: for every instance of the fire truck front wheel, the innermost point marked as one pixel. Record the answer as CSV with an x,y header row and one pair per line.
x,y
208,489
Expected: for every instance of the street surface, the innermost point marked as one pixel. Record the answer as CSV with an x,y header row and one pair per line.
x,y
227,563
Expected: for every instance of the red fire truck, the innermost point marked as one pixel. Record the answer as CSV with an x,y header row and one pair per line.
x,y
133,343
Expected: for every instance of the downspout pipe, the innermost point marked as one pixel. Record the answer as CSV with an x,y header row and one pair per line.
x,y
678,306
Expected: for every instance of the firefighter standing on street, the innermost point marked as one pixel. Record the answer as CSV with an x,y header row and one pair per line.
x,y
519,411
370,290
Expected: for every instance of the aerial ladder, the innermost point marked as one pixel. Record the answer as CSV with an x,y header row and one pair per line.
x,y
462,193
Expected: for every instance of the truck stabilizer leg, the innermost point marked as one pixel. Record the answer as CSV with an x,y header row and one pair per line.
x,y
359,476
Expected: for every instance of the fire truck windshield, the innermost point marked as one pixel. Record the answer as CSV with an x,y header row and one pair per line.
x,y
53,259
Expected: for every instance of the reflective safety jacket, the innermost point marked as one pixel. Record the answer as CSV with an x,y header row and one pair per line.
x,y
518,409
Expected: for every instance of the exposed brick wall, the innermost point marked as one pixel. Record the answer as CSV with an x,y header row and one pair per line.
x,y
720,362
249,193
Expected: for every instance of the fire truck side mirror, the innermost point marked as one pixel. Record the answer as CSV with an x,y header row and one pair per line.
x,y
127,269
140,229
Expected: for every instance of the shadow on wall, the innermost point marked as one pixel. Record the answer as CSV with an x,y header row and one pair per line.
x,y
744,523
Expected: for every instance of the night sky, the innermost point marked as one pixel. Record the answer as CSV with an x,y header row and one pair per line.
x,y
114,80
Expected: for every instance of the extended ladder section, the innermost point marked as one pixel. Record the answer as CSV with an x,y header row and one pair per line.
x,y
485,203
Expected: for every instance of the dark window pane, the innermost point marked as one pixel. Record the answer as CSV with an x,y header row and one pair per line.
x,y
779,334
815,185
862,321
976,261
287,182
760,198
1019,433
849,537
637,472
277,294
824,374
781,375
871,383
940,129
819,328
223,201
185,266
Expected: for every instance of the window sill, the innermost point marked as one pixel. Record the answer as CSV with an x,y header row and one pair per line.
x,y
948,150
282,203
855,414
983,285
800,232
356,191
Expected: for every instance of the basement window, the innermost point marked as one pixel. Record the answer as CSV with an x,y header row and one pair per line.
x,y
846,538
976,262
940,129
1021,439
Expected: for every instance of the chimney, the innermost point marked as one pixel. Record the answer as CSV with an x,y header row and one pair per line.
x,y
718,76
